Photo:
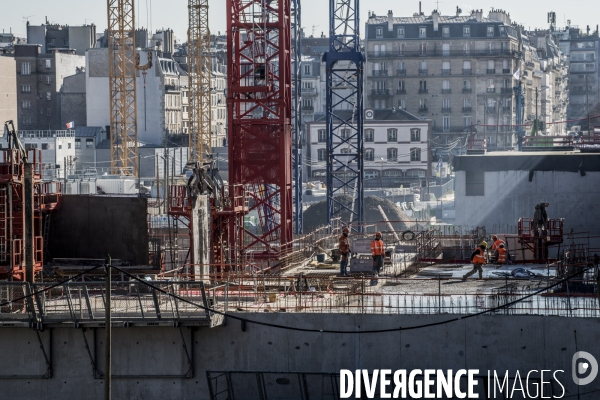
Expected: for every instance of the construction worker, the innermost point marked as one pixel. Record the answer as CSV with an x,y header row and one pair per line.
x,y
501,254
344,248
378,252
478,259
495,245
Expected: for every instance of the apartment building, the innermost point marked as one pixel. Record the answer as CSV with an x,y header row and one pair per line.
x,y
459,71
395,147
583,52
39,80
52,37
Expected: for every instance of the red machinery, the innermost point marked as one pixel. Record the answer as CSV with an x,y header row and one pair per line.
x,y
259,100
25,206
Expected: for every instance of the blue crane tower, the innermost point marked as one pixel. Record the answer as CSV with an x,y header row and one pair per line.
x,y
344,114
297,127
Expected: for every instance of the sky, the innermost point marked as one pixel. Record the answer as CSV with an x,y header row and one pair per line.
x,y
158,14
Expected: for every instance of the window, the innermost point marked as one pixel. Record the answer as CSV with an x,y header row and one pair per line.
x,y
60,146
474,183
45,146
445,67
423,48
422,32
491,68
25,88
446,123
445,49
392,173
401,49
48,64
322,136
422,86
66,42
491,85
30,146
26,105
379,32
369,135
48,80
322,154
25,68
402,104
423,105
415,173
401,68
415,154
467,48
392,135
467,67
467,122
392,154
48,96
307,104
68,145
89,143
400,31
49,112
467,85
445,105
445,86
307,69
466,31
446,31
505,67
490,47
415,135
369,155
490,31
345,134
467,103
77,143
401,87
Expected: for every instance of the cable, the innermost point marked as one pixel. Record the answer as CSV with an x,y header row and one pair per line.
x,y
349,332
49,287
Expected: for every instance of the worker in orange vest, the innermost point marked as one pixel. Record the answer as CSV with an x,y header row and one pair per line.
x,y
478,259
501,254
495,244
344,248
378,252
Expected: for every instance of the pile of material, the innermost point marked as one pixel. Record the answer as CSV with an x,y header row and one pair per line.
x,y
316,215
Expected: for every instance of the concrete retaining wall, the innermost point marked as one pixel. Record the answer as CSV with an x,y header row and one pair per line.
x,y
490,342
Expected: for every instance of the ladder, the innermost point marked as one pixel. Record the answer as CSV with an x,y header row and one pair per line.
x,y
46,234
4,221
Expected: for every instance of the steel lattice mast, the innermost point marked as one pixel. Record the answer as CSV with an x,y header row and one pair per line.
x,y
259,118
122,76
297,124
199,74
344,113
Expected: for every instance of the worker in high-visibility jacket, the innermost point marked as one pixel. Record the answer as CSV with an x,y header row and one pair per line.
x,y
496,242
378,252
501,254
478,259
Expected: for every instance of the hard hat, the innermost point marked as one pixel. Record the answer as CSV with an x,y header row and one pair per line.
x,y
345,229
484,243
378,234
494,237
501,245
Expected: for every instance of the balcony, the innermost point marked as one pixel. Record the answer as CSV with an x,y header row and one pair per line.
x,y
380,92
308,108
506,90
467,71
401,91
422,71
446,91
172,88
400,72
422,91
423,108
441,53
491,90
309,90
451,128
446,71
467,90
467,109
446,109
382,54
380,72
505,70
490,71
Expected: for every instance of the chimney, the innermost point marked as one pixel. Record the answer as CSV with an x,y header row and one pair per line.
x,y
390,20
478,15
435,17
458,11
420,12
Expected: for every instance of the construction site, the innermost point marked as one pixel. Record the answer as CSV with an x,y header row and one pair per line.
x,y
184,297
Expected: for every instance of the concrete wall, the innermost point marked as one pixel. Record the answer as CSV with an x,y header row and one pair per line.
x,y
499,343
509,196
92,226
8,90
